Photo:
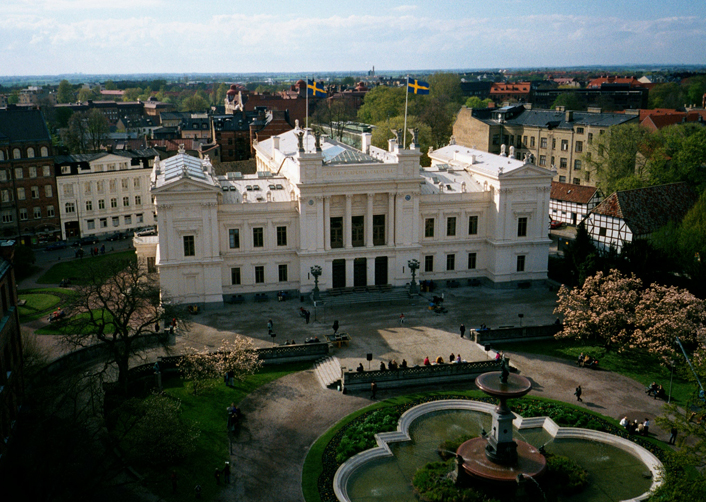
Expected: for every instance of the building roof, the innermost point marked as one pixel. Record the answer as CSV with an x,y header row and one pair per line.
x,y
510,88
19,125
550,119
477,160
254,188
647,209
332,151
598,82
568,192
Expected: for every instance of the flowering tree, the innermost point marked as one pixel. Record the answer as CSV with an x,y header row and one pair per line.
x,y
203,368
602,309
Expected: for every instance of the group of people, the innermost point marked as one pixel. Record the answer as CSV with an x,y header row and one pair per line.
x,y
281,296
290,342
57,315
655,390
586,361
305,314
634,427
453,358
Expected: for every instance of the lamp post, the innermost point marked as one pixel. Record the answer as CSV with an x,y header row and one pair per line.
x,y
413,266
316,272
671,366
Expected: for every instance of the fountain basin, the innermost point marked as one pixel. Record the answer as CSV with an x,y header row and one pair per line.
x,y
516,385
530,462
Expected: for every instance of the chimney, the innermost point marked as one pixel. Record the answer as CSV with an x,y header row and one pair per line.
x,y
391,144
275,142
365,140
569,116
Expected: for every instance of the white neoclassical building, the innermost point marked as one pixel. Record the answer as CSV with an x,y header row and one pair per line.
x,y
361,215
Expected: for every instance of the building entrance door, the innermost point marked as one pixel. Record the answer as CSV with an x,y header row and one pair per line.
x,y
71,228
338,274
381,270
360,272
573,219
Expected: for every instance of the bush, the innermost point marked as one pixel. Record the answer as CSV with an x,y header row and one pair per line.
x,y
564,476
361,436
434,485
452,445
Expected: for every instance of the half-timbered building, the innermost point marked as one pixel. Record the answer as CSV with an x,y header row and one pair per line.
x,y
628,215
571,203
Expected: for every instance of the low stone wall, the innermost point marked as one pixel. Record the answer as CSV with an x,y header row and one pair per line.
x,y
524,334
419,375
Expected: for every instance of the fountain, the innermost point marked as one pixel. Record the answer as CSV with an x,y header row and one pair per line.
x,y
497,458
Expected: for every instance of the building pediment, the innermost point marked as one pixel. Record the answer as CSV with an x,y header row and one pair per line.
x,y
527,171
185,185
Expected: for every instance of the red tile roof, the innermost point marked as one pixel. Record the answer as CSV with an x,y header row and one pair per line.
x,y
647,209
517,88
597,82
568,192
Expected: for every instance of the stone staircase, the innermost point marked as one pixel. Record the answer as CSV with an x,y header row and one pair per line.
x,y
396,295
328,372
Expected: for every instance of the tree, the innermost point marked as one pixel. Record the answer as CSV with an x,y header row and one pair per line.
x,y
195,103
119,304
333,115
439,116
204,368
381,104
570,101
97,130
446,87
678,153
75,134
475,102
110,85
383,132
65,92
85,94
669,95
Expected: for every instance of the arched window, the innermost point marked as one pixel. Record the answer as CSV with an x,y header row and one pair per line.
x,y
16,154
70,208
30,153
44,151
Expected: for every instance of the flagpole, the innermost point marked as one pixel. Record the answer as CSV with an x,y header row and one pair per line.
x,y
406,99
307,102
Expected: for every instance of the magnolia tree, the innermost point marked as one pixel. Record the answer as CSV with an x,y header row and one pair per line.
x,y
203,368
618,311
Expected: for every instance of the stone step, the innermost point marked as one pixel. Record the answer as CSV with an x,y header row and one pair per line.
x,y
395,295
328,371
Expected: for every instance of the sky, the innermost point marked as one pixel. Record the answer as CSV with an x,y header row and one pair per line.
x,y
49,37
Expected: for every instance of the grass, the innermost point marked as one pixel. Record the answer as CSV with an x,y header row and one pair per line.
x,y
76,269
41,302
640,366
209,410
60,327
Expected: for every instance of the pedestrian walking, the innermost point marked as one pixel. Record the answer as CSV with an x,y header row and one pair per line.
x,y
673,437
335,326
373,390
401,319
578,393
307,314
463,330
226,473
270,326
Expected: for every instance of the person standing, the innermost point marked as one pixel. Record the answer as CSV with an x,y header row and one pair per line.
x,y
673,437
226,473
335,326
217,475
373,390
463,330
401,319
307,314
578,393
270,326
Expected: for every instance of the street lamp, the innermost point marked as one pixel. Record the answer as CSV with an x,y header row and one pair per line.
x,y
671,366
316,272
413,266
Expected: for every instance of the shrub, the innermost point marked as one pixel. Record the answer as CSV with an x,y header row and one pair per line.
x,y
564,476
434,485
361,436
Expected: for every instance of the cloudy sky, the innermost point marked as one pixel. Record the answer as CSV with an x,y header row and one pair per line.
x,y
44,37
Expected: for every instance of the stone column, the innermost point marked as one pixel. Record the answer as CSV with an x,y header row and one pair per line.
x,y
369,222
390,237
320,239
416,223
349,273
347,225
327,223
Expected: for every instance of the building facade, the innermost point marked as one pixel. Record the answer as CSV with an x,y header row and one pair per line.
x,y
556,139
570,203
360,215
28,201
105,193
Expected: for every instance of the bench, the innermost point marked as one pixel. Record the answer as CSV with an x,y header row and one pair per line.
x,y
338,339
261,297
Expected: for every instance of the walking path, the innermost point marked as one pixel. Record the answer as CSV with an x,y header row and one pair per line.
x,y
284,418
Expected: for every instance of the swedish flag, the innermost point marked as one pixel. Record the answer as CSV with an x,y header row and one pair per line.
x,y
314,89
417,86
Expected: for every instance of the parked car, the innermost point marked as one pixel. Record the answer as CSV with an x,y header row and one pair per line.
x,y
116,236
56,245
85,241
556,224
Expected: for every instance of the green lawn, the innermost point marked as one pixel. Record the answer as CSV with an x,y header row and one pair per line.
x,y
209,410
60,327
635,364
41,302
75,269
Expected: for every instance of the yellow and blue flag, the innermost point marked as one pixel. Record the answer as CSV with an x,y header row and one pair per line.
x,y
415,86
315,89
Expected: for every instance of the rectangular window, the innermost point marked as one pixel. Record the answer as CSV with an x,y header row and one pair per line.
x,y
542,160
590,138
126,201
429,263
235,276
258,237
522,226
19,173
451,226
89,205
524,140
586,176
37,213
358,231
7,216
48,192
553,143
579,130
128,219
577,165
87,187
104,222
602,231
471,261
136,183
124,184
564,145
496,139
100,186
35,192
139,218
101,203
473,225
69,190
116,221
282,273
32,172
281,236
429,227
259,274
3,175
20,193
378,230
138,200
234,238
521,263
563,163
91,224
23,214
50,211
69,207
450,262
46,172
553,162
336,232
531,141
113,202
112,185
5,196
577,181
579,146
562,179
65,169
189,246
